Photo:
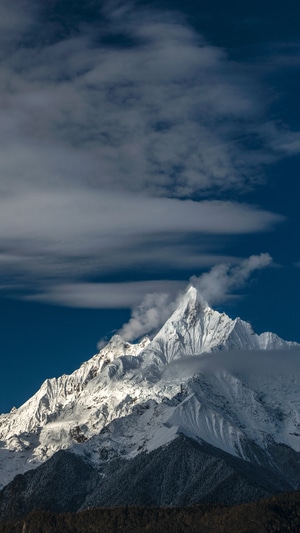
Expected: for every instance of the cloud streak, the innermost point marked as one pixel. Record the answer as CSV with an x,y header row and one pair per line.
x,y
119,143
261,367
71,235
110,295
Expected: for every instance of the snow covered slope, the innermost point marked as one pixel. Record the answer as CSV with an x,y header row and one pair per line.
x,y
130,398
195,328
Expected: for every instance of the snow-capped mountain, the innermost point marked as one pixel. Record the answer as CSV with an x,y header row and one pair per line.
x,y
134,398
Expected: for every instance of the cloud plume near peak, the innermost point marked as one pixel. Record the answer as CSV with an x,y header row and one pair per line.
x,y
214,287
148,316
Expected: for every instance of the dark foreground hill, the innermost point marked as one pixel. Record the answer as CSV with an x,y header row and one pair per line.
x,y
280,514
184,473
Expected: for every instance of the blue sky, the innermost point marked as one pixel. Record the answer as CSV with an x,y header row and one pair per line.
x,y
143,144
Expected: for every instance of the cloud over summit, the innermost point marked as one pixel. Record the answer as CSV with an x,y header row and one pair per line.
x,y
216,285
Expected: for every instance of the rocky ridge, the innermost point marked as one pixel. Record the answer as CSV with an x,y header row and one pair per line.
x,y
134,398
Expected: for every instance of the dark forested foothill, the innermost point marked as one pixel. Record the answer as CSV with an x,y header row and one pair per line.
x,y
280,514
184,473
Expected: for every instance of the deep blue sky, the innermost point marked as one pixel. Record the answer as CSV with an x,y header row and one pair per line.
x,y
143,143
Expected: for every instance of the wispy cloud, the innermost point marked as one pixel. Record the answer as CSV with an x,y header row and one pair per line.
x,y
153,302
171,115
149,315
262,367
109,295
47,239
112,155
16,19
216,285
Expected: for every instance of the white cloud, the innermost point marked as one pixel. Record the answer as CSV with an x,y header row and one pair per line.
x,y
110,295
48,237
280,138
149,315
262,367
215,286
112,157
166,116
101,216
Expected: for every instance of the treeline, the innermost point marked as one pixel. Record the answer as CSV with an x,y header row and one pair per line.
x,y
280,514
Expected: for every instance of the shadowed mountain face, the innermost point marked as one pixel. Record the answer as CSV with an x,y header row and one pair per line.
x,y
183,473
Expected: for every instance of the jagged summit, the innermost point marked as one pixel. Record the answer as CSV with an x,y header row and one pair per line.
x,y
121,402
194,328
192,298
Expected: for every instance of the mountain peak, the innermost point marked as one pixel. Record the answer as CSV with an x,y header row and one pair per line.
x,y
123,388
190,300
193,328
